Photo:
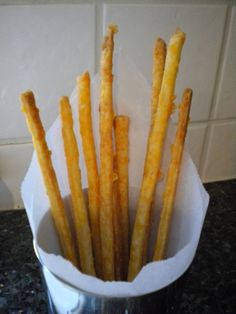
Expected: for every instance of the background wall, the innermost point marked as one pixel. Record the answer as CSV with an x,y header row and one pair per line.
x,y
45,44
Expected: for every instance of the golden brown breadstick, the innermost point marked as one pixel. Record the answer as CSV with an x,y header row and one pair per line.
x,y
36,129
106,156
172,177
154,153
86,131
83,235
159,58
121,127
117,223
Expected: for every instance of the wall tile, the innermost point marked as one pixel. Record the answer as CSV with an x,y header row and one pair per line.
x,y
43,48
226,100
139,26
220,161
194,142
14,161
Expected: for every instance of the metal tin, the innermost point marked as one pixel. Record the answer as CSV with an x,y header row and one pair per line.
x,y
64,298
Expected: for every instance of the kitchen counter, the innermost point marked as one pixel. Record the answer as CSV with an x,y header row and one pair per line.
x,y
209,283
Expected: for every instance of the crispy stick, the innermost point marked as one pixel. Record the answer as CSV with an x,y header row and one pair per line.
x,y
86,131
172,177
106,156
83,235
121,127
117,223
36,129
154,153
159,58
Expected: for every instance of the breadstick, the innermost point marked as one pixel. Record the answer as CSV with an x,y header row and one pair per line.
x,y
154,153
117,222
83,235
172,177
106,156
86,131
121,127
36,129
159,57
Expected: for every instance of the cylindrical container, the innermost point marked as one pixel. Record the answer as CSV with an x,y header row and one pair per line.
x,y
64,299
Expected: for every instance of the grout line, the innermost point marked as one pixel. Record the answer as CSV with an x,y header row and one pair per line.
x,y
193,123
223,120
167,2
221,63
211,121
15,141
205,149
44,2
8,3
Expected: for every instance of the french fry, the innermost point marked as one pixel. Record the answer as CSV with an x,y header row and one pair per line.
x,y
159,58
31,112
121,127
154,153
117,223
86,131
83,235
172,177
106,156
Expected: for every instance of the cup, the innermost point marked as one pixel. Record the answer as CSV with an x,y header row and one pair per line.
x,y
63,298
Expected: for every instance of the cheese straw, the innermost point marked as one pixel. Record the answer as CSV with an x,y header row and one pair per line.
x,y
117,222
172,177
36,129
159,58
154,153
158,65
86,131
83,235
121,127
106,156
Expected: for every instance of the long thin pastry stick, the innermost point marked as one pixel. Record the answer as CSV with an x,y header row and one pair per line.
x,y
36,129
86,131
172,177
117,222
154,153
121,127
106,156
83,235
158,65
159,58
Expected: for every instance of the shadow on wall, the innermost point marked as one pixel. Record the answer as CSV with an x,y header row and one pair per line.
x,y
6,199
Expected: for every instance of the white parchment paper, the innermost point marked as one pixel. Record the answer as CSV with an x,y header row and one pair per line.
x,y
132,98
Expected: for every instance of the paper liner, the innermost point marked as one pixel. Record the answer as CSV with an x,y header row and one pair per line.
x,y
132,98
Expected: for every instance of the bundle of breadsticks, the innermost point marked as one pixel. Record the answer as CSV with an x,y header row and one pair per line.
x,y
104,246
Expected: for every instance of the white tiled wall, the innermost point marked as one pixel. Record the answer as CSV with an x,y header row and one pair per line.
x,y
14,161
43,47
226,93
204,28
220,155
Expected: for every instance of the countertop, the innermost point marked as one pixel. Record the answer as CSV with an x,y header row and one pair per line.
x,y
209,283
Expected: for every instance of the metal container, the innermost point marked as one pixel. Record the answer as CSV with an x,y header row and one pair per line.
x,y
65,299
